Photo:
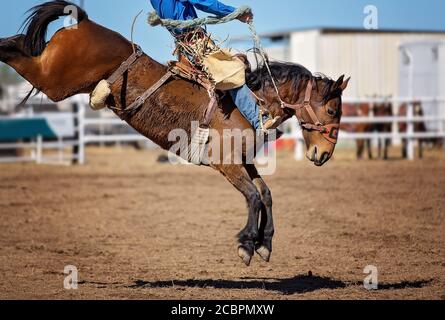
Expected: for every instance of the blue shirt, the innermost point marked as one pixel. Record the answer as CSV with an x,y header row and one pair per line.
x,y
185,9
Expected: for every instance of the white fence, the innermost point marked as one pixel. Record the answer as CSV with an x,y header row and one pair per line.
x,y
296,134
63,147
395,135
90,131
37,148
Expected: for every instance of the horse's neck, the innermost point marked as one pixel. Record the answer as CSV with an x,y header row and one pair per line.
x,y
272,100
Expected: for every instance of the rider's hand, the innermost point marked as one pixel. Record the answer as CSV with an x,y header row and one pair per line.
x,y
246,18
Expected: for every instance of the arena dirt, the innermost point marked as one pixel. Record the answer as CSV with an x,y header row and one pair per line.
x,y
137,229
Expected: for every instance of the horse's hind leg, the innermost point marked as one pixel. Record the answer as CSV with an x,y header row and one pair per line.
x,y
369,147
360,149
421,144
387,144
248,237
404,148
10,48
380,149
266,229
12,53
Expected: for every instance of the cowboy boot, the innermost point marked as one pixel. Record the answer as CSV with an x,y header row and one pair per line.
x,y
271,124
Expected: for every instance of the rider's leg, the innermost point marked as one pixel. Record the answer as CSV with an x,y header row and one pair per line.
x,y
243,99
249,108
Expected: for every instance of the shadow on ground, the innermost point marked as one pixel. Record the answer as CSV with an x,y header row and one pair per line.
x,y
289,286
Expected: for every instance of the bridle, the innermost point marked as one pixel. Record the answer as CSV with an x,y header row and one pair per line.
x,y
328,131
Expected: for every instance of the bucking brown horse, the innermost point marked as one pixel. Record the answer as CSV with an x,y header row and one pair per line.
x,y
76,59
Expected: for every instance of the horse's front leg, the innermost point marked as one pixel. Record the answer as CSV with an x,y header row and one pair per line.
x,y
266,229
248,237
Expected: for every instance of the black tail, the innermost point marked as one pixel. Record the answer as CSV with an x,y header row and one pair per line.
x,y
40,17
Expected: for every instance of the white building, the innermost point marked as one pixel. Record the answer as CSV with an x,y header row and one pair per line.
x,y
422,74
371,58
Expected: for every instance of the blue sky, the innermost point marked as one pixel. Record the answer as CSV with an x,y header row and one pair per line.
x,y
270,16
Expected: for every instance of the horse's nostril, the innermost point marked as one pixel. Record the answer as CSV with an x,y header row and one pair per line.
x,y
325,157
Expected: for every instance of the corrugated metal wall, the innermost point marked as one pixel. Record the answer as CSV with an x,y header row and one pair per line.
x,y
371,59
421,59
442,79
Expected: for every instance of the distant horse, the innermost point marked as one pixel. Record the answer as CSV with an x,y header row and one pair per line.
x,y
77,59
383,110
366,110
419,127
358,110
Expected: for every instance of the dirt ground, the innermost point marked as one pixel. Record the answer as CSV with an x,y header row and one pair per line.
x,y
137,229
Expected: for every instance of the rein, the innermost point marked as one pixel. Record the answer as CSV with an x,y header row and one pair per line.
x,y
328,131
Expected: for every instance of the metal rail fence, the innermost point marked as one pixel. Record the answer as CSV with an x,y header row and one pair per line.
x,y
410,120
90,131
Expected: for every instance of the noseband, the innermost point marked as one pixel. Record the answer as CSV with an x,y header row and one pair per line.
x,y
328,131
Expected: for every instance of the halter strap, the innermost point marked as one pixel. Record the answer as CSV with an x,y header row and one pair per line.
x,y
329,132
308,93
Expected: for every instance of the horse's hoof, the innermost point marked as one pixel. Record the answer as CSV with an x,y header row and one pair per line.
x,y
244,255
264,253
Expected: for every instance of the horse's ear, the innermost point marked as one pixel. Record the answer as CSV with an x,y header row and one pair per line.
x,y
339,82
344,85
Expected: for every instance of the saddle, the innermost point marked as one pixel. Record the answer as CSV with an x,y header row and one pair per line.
x,y
185,69
196,73
201,60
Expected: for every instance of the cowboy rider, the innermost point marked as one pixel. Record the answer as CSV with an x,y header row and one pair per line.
x,y
185,10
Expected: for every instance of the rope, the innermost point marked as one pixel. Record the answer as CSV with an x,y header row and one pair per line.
x,y
155,20
132,30
260,49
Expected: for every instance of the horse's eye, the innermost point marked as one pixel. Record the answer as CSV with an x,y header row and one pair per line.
x,y
331,112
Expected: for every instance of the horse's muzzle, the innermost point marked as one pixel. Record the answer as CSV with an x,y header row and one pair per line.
x,y
317,156
323,159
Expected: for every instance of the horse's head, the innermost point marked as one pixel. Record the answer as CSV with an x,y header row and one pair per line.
x,y
318,104
319,115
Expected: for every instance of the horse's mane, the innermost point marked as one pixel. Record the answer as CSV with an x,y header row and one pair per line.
x,y
40,16
293,73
